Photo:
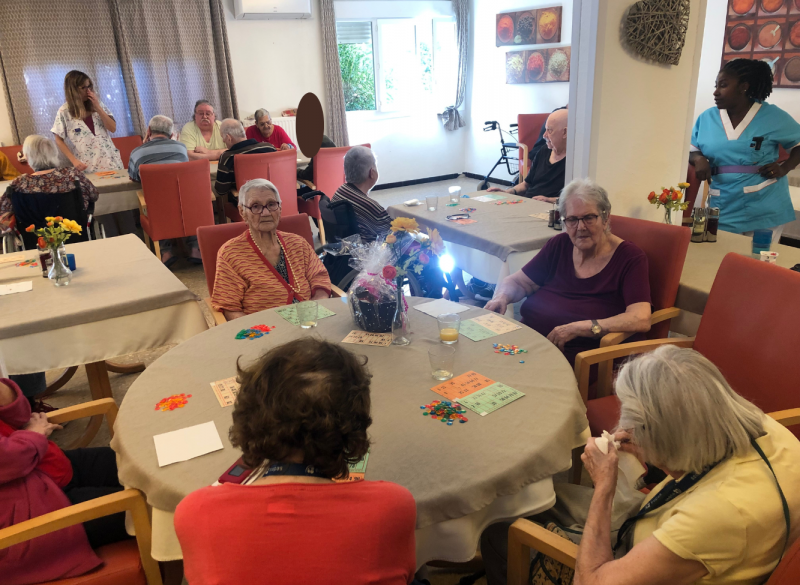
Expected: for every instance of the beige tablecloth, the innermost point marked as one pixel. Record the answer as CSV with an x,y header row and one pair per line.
x,y
499,230
121,299
453,472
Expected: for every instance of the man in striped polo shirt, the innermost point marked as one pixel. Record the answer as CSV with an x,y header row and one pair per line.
x,y
158,148
361,174
237,142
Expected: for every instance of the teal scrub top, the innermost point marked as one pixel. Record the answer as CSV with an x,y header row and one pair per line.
x,y
747,201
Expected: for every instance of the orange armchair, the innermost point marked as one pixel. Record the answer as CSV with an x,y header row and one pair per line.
x,y
125,563
175,200
125,146
11,152
748,330
279,167
528,128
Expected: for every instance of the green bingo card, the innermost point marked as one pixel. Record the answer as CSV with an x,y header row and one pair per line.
x,y
490,398
290,313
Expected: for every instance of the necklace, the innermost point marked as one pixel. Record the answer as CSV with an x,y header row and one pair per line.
x,y
285,258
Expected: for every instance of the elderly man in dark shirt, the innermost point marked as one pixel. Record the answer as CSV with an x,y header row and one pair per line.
x,y
546,177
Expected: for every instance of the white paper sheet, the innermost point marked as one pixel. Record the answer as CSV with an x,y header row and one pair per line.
x,y
16,287
187,443
440,307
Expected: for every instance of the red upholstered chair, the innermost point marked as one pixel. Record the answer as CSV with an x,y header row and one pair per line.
x,y
328,177
125,145
211,238
124,563
748,330
279,167
788,571
175,200
528,128
11,152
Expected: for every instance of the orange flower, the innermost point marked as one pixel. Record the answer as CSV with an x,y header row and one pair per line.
x,y
49,224
651,196
41,243
676,195
30,228
58,218
663,198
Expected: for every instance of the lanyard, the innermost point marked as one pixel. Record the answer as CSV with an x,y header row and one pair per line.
x,y
293,469
673,489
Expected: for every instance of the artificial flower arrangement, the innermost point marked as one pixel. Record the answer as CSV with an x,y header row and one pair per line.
x,y
57,231
671,199
382,265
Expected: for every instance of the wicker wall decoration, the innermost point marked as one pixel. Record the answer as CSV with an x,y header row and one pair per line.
x,y
656,29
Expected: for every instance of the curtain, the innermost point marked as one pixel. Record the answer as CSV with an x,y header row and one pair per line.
x,y
451,118
145,57
337,118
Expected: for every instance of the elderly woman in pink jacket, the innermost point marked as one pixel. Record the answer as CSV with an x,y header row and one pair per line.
x,y
36,477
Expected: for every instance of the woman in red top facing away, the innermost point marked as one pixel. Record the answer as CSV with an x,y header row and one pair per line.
x,y
36,477
301,417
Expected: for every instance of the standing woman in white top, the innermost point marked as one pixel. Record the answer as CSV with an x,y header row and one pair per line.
x,y
83,125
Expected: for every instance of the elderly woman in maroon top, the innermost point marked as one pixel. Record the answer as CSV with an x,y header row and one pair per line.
x,y
584,283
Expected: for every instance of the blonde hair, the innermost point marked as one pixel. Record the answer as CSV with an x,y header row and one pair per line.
x,y
72,84
682,413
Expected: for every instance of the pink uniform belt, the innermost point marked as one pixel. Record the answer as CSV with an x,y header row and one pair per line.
x,y
749,170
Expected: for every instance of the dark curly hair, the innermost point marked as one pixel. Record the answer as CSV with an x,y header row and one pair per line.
x,y
307,396
754,72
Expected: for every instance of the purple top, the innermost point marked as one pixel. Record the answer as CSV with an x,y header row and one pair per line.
x,y
564,298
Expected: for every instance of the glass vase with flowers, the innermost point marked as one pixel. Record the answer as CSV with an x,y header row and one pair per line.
x,y
670,199
57,230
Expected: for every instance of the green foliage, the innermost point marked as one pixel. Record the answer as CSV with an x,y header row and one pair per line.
x,y
358,76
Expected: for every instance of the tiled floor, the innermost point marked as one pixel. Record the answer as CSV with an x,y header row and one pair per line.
x,y
77,390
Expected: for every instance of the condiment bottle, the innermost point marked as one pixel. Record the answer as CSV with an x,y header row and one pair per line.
x,y
557,221
551,217
698,224
712,224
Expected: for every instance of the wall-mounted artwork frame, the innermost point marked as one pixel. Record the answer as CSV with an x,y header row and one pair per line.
x,y
538,66
536,26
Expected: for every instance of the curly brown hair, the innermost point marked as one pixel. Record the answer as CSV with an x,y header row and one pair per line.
x,y
307,396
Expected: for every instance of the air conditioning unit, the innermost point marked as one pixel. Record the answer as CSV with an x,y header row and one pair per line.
x,y
277,9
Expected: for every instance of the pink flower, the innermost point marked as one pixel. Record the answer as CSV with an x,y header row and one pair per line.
x,y
424,258
389,272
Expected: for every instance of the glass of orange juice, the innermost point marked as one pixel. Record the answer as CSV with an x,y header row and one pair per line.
x,y
449,324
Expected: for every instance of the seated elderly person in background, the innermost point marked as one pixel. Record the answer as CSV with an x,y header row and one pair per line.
x,y
36,478
548,166
7,170
583,283
301,417
232,133
361,174
201,136
265,268
160,147
717,517
265,131
42,155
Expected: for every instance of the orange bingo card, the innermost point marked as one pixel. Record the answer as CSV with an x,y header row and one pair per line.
x,y
462,385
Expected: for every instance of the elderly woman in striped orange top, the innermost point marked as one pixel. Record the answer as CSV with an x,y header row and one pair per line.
x,y
265,268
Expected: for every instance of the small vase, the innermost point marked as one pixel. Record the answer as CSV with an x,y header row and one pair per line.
x,y
667,215
400,329
59,273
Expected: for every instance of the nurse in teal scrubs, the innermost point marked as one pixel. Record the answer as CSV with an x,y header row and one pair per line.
x,y
735,146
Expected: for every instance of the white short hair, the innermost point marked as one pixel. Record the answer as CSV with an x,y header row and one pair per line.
x,y
42,154
232,128
357,163
161,125
260,113
588,191
257,185
682,413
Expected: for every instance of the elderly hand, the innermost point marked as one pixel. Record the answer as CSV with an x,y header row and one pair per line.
x,y
702,168
80,165
545,199
773,171
499,304
563,334
39,424
496,190
627,445
285,146
199,149
604,468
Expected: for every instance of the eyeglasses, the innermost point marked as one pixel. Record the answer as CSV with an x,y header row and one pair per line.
x,y
588,220
204,114
258,209
90,86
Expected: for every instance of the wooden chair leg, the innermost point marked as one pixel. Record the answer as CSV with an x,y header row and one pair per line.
x,y
100,387
321,232
65,377
146,239
157,249
124,368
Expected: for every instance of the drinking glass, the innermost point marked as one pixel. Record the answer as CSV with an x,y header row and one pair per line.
x,y
455,194
449,324
762,241
433,203
307,314
443,358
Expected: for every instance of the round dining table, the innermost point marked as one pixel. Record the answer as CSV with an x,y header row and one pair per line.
x,y
463,477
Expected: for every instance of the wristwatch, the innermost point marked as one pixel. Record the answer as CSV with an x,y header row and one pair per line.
x,y
597,331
